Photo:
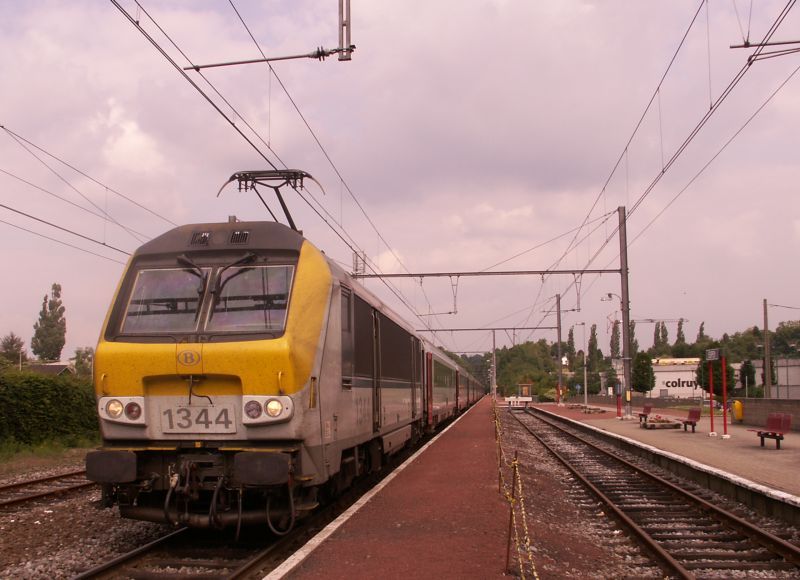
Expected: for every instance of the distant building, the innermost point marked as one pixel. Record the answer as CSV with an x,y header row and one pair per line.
x,y
56,369
675,377
787,377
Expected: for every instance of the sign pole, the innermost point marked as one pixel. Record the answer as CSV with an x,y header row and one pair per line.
x,y
712,355
711,398
724,401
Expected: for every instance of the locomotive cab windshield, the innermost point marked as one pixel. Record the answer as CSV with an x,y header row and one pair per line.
x,y
242,296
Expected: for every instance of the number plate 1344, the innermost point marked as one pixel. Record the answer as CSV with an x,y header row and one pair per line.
x,y
194,419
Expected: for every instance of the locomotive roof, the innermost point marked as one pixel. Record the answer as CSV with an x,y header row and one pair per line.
x,y
225,236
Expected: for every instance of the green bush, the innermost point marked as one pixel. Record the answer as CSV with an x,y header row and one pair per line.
x,y
36,409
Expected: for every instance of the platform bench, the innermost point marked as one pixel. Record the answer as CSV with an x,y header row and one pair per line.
x,y
692,419
778,424
645,413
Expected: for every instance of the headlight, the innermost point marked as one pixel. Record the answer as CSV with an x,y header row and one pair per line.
x,y
273,407
253,409
133,411
114,408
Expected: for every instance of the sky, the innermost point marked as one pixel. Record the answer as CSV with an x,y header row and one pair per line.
x,y
461,137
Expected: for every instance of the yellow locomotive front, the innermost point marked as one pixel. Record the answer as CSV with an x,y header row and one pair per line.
x,y
205,376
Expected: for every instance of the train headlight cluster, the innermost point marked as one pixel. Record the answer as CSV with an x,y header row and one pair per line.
x,y
260,409
126,410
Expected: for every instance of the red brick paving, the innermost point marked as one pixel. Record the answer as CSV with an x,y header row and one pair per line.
x,y
441,517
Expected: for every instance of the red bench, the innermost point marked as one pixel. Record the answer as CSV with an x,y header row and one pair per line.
x,y
692,419
778,424
645,413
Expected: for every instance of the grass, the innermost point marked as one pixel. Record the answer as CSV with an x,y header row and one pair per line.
x,y
15,452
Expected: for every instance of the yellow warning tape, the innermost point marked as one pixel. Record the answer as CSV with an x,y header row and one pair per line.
x,y
516,502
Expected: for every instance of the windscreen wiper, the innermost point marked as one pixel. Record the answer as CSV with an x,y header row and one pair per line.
x,y
196,270
217,291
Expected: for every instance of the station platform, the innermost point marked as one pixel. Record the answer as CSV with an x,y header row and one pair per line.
x,y
741,456
439,515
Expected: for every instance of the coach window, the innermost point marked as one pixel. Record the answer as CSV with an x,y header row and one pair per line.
x,y
364,339
395,351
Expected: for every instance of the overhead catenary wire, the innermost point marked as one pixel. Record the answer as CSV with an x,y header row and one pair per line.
x,y
624,152
64,199
715,106
714,157
89,177
63,229
62,242
72,187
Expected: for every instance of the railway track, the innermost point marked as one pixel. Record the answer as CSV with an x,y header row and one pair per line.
x,y
217,555
208,554
43,487
687,535
187,553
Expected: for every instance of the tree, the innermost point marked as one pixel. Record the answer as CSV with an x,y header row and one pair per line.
x,y
84,357
12,348
594,383
49,333
634,344
642,375
772,374
747,374
615,352
660,341
663,338
570,350
611,377
680,338
701,333
786,339
593,353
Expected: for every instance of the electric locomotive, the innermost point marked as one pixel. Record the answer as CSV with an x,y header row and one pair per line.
x,y
240,373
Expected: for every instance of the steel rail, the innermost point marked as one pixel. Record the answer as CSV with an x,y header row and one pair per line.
x,y
771,542
47,493
128,556
669,563
42,480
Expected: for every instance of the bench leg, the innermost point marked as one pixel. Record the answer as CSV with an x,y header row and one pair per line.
x,y
693,427
762,442
777,443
